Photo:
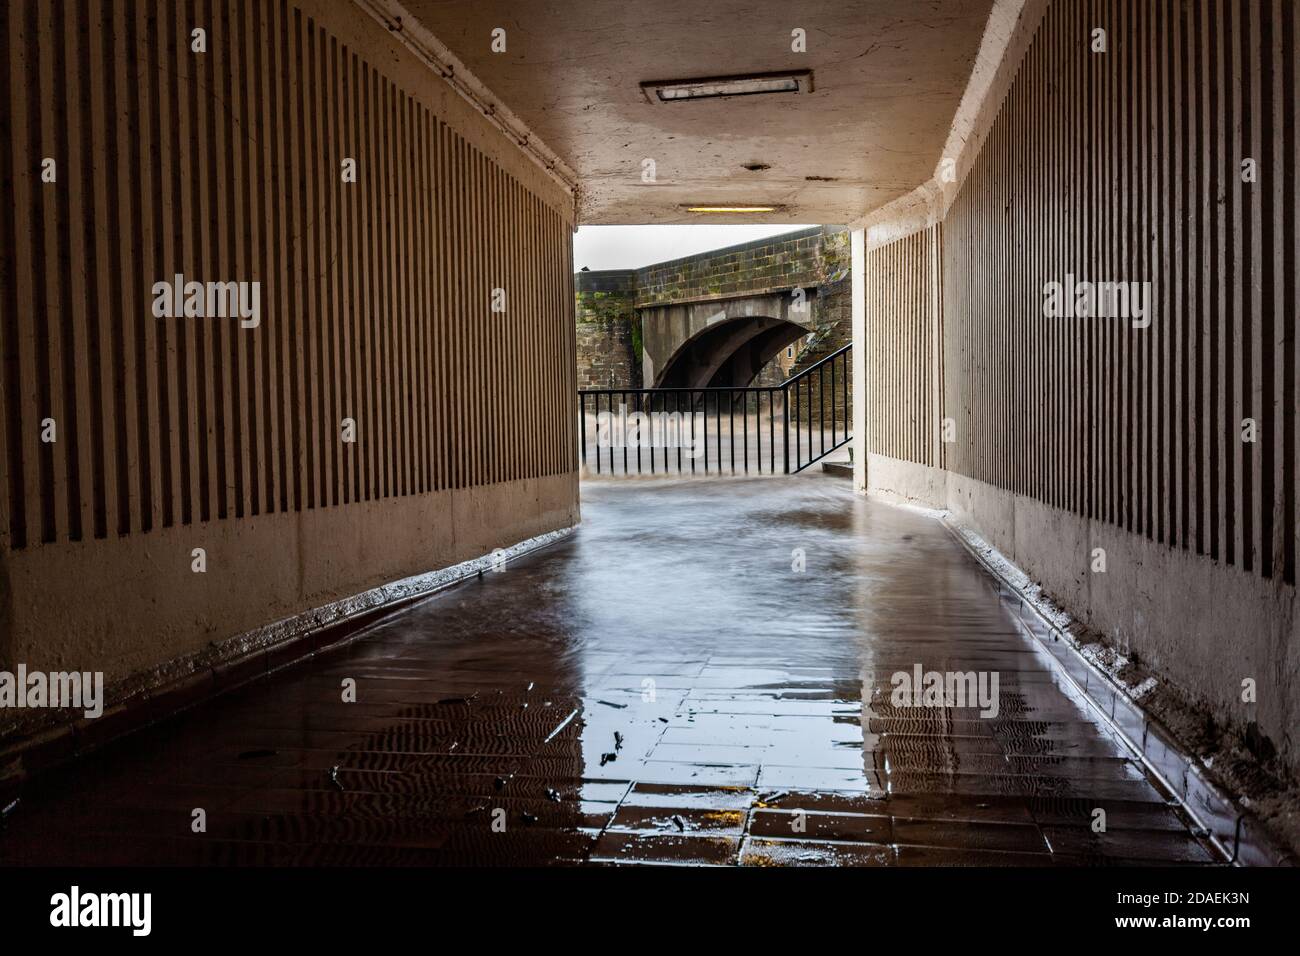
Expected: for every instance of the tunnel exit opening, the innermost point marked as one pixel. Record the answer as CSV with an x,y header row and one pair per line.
x,y
750,338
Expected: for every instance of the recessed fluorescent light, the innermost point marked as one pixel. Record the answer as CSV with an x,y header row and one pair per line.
x,y
675,91
707,209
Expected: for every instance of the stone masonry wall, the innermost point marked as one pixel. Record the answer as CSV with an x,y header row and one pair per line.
x,y
609,330
804,258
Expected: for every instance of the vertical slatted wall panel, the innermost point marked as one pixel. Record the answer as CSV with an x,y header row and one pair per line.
x,y
1124,166
900,325
225,165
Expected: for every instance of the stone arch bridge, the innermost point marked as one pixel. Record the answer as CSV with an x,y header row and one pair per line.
x,y
747,314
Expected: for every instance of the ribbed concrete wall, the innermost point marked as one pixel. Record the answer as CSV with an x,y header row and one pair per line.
x,y
376,306
1126,166
1077,433
902,327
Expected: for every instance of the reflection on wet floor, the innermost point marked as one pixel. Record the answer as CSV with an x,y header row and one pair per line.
x,y
662,687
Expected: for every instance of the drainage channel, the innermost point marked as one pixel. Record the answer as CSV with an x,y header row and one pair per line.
x,y
1216,817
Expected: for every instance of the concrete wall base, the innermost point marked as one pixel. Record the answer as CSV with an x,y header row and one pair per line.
x,y
36,740
151,619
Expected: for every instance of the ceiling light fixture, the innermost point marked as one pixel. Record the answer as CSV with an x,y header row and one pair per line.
x,y
709,209
753,84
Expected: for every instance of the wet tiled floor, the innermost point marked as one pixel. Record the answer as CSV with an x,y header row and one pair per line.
x,y
664,686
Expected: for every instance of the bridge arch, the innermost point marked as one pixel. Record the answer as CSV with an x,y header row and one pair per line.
x,y
727,352
721,342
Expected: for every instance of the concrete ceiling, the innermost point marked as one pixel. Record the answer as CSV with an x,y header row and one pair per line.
x,y
888,77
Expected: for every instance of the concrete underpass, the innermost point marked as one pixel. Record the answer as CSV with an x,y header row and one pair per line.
x,y
343,522
596,670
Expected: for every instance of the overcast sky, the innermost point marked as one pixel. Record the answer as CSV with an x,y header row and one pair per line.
x,y
631,247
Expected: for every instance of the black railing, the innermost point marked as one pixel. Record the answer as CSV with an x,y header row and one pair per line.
x,y
778,429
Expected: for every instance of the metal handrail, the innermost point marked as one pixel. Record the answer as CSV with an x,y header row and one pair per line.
x,y
805,394
842,350
793,382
